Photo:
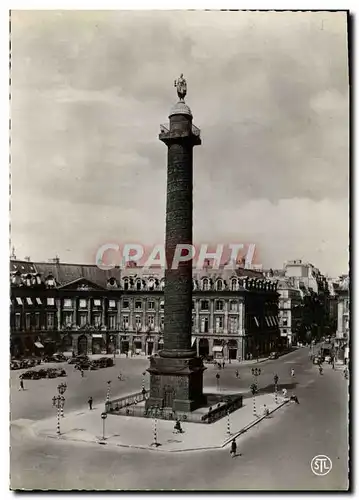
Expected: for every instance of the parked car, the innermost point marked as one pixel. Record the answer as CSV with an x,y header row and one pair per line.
x,y
78,360
273,355
31,375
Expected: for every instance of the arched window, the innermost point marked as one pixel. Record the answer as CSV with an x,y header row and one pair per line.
x,y
126,284
219,285
234,284
205,284
138,285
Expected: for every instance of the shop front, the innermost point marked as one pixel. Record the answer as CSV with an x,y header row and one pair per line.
x,y
203,347
232,349
137,346
124,345
217,352
98,345
150,342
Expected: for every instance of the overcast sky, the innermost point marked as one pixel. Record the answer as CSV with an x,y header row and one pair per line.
x,y
268,90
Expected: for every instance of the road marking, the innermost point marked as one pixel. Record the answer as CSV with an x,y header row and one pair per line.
x,y
321,465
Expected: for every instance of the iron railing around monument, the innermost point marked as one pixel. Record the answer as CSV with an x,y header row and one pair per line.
x,y
165,129
126,401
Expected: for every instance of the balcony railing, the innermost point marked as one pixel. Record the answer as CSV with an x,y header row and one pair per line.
x,y
165,129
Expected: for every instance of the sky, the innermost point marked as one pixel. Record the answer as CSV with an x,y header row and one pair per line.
x,y
269,91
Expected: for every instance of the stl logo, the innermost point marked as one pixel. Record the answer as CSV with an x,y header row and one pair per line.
x,y
321,465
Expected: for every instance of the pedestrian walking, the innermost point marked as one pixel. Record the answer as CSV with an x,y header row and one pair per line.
x,y
90,401
237,374
265,410
233,451
82,373
223,365
285,393
21,388
120,376
294,398
320,370
276,378
292,372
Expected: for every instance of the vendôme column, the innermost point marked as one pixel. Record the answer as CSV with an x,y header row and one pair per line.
x,y
177,373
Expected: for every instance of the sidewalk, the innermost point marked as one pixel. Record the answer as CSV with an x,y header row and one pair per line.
x,y
133,432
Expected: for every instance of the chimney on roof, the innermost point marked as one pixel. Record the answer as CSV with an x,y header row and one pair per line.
x,y
27,259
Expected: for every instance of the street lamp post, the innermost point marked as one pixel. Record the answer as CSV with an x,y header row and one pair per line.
x,y
155,411
57,402
275,378
108,395
254,387
143,380
61,388
103,416
228,419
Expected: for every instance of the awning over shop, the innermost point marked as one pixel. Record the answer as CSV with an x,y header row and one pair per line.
x,y
29,301
217,348
256,320
39,345
19,301
97,336
193,341
38,301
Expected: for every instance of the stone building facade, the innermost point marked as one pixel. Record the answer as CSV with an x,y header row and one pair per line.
x,y
343,326
82,309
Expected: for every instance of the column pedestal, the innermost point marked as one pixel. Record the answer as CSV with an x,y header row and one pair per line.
x,y
176,383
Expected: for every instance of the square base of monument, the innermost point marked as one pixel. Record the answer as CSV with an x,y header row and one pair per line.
x,y
176,383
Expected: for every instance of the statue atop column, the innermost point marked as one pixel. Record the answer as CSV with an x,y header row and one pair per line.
x,y
181,86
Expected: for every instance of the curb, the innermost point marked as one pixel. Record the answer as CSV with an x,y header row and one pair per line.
x,y
251,424
159,449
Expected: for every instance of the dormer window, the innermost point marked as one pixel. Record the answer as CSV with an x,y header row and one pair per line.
x,y
162,284
219,285
138,285
50,282
112,282
126,284
151,284
83,303
234,285
205,284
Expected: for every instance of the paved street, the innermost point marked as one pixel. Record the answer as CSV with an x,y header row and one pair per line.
x,y
276,454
